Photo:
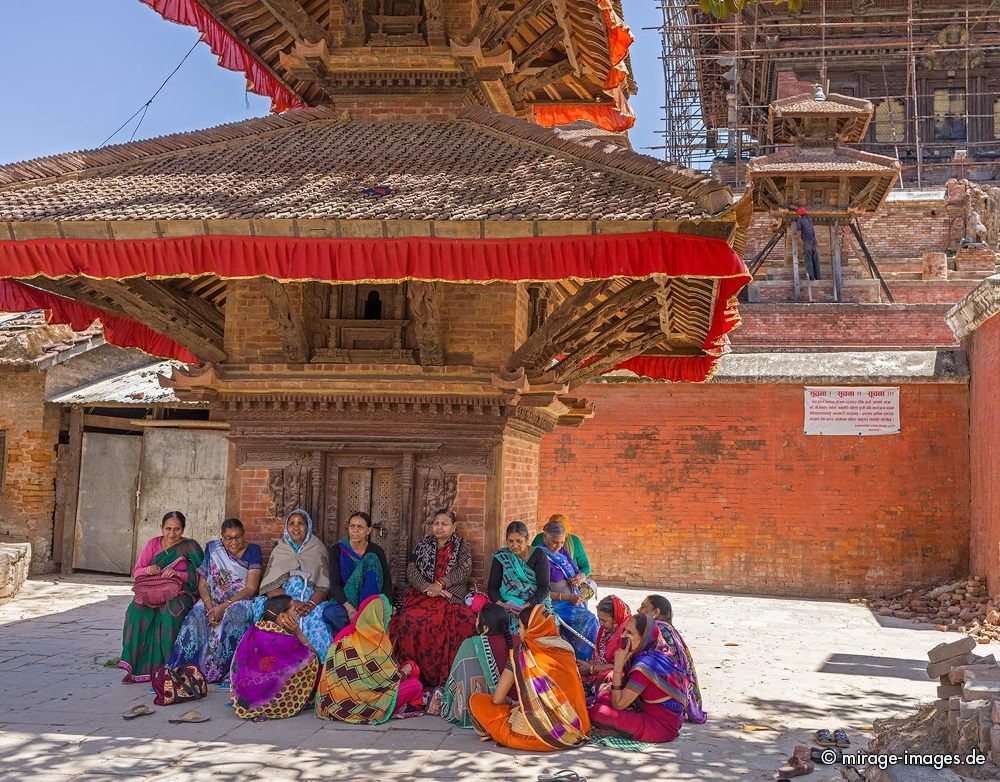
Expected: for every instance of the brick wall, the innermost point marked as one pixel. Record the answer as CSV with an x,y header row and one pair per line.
x,y
716,487
477,321
470,508
984,444
255,499
250,336
28,493
520,471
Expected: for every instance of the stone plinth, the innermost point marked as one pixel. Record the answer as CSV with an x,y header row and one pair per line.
x,y
976,257
935,266
15,560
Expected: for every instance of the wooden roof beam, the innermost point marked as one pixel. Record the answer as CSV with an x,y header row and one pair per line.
x,y
300,23
507,28
287,322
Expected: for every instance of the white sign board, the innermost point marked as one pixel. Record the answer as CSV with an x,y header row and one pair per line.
x,y
852,410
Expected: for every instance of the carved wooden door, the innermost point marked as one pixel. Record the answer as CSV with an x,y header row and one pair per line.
x,y
371,485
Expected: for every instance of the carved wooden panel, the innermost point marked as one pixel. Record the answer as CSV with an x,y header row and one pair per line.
x,y
289,489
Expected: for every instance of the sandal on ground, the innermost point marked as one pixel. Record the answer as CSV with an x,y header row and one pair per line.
x,y
824,738
137,711
799,763
190,716
565,775
840,737
816,753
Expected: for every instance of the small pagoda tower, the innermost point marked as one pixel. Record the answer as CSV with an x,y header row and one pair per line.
x,y
813,168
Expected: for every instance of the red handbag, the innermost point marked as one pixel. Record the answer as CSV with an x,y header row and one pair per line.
x,y
153,591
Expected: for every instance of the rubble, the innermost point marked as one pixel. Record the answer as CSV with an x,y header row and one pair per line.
x,y
960,606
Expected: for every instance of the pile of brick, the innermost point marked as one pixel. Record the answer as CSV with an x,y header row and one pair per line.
x,y
962,606
968,696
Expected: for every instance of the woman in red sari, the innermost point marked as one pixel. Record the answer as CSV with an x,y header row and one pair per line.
x,y
435,620
613,615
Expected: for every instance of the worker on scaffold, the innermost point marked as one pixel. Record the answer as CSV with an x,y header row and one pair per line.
x,y
807,232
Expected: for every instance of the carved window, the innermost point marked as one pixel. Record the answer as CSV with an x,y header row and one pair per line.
x,y
372,307
889,120
949,114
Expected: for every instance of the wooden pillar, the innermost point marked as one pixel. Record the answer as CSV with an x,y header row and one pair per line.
x,y
838,281
72,487
795,266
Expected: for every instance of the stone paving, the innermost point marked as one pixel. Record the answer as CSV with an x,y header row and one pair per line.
x,y
789,665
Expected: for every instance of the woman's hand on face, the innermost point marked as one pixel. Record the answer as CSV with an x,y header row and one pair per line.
x,y
621,659
288,623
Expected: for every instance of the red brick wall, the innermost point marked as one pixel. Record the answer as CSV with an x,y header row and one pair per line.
x,y
844,325
716,487
255,500
521,455
28,493
470,507
984,445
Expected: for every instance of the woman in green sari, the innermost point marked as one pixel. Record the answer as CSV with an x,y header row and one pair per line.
x,y
519,574
166,587
477,666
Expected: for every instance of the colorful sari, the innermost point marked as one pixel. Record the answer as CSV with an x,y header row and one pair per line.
x,y
476,670
519,583
149,632
299,570
677,650
361,683
551,713
608,643
211,647
657,713
362,576
579,625
429,630
273,675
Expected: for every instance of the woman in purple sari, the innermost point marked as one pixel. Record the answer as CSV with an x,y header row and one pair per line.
x,y
658,608
577,625
275,668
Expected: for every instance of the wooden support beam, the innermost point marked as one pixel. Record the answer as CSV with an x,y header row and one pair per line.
x,y
539,46
541,80
539,346
487,21
509,26
354,22
114,297
425,315
192,308
634,321
665,302
619,301
287,322
72,495
633,348
300,23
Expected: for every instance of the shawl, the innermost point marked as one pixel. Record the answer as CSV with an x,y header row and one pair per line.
x,y
657,666
309,558
609,643
364,575
475,669
675,647
426,551
188,550
360,681
266,659
547,703
225,574
519,581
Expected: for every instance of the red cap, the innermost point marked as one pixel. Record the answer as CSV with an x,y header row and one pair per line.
x,y
802,210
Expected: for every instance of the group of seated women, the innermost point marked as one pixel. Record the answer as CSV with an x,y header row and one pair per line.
x,y
527,664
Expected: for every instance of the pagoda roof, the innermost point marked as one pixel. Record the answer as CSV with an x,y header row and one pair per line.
x,y
317,163
834,118
809,160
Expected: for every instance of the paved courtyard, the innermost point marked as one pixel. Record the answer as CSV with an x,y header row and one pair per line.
x,y
788,665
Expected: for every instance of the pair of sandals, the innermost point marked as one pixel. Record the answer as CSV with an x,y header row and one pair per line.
x,y
803,759
143,710
565,775
838,738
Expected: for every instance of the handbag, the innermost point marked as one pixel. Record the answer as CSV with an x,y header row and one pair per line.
x,y
153,591
178,685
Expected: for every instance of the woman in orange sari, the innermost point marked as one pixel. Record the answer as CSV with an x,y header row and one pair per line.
x,y
551,712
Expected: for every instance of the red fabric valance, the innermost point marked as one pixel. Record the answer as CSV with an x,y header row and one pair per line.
x,y
120,331
231,53
355,260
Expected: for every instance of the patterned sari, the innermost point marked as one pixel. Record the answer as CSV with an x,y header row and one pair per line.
x,y
361,682
273,675
363,578
608,643
578,625
551,713
299,569
211,647
656,715
476,669
149,632
429,629
518,584
677,650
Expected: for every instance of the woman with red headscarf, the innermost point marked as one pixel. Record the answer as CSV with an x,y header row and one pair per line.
x,y
612,614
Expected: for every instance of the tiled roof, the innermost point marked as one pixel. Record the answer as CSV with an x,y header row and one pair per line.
x,y
816,159
27,339
140,387
834,104
312,163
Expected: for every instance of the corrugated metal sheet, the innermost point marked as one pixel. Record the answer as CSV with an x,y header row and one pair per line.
x,y
140,387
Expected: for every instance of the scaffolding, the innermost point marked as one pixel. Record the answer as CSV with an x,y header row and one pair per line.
x,y
927,66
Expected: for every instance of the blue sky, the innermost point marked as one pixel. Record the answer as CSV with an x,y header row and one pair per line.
x,y
74,70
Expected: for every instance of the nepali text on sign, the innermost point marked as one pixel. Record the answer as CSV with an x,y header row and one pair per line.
x,y
851,410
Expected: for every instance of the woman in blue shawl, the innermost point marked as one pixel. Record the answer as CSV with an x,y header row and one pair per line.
x,y
577,625
358,570
298,567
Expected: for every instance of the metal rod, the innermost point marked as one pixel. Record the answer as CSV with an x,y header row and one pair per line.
x,y
856,230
